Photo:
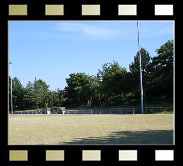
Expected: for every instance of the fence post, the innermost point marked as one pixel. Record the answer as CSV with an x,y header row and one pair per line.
x,y
133,110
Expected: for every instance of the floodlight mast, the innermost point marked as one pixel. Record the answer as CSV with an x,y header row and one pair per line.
x,y
11,93
140,66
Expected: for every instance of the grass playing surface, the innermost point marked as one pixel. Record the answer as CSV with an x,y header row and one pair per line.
x,y
90,129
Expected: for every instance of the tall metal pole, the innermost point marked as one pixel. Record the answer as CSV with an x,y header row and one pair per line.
x,y
141,87
51,95
11,92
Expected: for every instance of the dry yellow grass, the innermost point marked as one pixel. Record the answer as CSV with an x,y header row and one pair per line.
x,y
90,129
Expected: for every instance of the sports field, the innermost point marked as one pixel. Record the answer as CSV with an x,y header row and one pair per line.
x,y
90,129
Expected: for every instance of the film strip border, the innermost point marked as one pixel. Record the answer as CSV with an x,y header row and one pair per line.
x,y
91,156
63,10
97,9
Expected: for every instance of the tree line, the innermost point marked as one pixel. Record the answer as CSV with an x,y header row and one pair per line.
x,y
113,85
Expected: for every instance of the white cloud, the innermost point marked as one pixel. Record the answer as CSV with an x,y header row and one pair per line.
x,y
92,30
115,30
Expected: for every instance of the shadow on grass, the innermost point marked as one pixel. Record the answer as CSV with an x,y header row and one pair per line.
x,y
129,137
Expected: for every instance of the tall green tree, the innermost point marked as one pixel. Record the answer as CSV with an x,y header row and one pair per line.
x,y
78,88
113,81
94,90
61,97
17,93
40,93
162,73
29,97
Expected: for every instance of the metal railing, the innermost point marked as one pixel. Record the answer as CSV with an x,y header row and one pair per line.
x,y
119,111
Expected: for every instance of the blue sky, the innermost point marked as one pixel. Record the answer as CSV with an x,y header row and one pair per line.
x,y
51,50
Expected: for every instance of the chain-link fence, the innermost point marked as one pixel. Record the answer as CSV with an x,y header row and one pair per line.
x,y
118,111
31,112
158,110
